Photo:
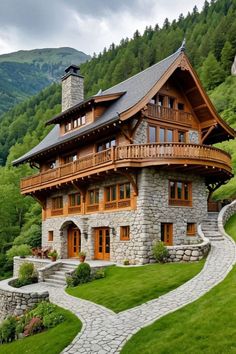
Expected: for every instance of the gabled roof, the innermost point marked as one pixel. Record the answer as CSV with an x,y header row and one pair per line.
x,y
129,97
133,89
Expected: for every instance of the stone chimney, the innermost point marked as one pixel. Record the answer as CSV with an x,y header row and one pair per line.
x,y
72,87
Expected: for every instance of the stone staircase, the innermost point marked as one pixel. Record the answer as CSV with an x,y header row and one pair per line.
x,y
58,278
210,227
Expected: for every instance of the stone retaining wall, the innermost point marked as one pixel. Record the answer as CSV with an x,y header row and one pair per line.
x,y
15,301
224,216
188,253
38,263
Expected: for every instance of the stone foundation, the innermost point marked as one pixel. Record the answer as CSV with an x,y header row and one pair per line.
x,y
152,209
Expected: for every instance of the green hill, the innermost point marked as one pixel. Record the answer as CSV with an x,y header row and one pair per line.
x,y
25,73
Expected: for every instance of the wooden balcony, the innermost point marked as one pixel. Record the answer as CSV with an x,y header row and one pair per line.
x,y
211,161
169,114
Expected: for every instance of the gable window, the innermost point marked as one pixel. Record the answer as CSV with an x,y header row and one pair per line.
x,y
181,137
180,193
191,229
180,106
107,144
124,233
171,102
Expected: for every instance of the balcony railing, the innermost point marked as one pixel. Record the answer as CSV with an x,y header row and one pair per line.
x,y
129,155
169,114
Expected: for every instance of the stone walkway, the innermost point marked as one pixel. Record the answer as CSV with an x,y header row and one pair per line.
x,y
105,332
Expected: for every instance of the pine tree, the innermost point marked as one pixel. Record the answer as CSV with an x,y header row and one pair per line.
x,y
211,74
227,55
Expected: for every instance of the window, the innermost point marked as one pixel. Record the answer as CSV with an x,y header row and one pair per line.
x,y
50,236
169,135
124,233
51,164
107,144
180,106
160,100
57,203
93,196
68,127
117,196
110,193
152,134
181,137
180,193
78,122
167,233
74,199
171,102
191,229
70,158
124,191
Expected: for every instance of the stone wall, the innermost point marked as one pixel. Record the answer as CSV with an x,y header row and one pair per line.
x,y
226,212
16,302
38,263
144,221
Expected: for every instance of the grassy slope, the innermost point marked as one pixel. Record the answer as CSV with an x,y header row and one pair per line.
x,y
206,326
230,227
52,341
123,288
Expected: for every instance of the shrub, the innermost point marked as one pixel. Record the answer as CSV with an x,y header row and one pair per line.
x,y
83,272
81,275
160,252
53,319
100,273
34,326
126,262
26,271
44,308
8,330
22,251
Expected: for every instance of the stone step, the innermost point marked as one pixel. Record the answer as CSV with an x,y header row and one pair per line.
x,y
212,233
55,281
53,284
216,238
57,277
61,272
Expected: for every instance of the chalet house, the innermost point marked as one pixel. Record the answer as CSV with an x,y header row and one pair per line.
x,y
130,165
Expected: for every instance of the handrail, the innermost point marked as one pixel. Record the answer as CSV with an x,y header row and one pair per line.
x,y
132,152
166,113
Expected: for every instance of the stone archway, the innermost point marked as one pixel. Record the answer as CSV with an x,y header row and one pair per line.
x,y
70,235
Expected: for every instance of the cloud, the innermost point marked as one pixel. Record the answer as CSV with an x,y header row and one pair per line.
x,y
88,25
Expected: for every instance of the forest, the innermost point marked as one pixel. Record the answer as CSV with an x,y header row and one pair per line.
x,y
211,47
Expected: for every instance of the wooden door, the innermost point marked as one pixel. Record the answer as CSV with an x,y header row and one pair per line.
x,y
74,242
167,234
102,244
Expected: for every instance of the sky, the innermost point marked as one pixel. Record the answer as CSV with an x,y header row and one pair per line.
x,y
87,25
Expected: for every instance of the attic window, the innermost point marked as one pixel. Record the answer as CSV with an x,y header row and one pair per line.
x,y
75,123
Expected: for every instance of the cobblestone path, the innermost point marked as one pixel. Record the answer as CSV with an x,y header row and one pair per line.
x,y
105,332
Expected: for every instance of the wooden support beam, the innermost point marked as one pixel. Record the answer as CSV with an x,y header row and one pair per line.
x,y
40,198
207,133
139,121
80,189
200,107
192,89
126,135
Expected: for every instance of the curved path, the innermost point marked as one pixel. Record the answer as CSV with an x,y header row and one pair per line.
x,y
105,332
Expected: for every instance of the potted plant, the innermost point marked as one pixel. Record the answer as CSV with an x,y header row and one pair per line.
x,y
53,255
82,256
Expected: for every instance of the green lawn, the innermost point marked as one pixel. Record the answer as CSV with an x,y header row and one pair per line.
x,y
52,341
205,326
230,227
123,288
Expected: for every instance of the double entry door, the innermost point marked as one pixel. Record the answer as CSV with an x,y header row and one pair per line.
x,y
102,244
74,242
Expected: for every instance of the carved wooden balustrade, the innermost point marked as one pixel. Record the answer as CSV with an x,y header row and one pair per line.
x,y
129,155
169,114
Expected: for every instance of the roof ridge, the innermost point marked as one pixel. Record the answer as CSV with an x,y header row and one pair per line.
x,y
140,72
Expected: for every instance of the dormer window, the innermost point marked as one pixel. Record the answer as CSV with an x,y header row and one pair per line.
x,y
68,127
75,123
